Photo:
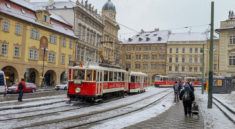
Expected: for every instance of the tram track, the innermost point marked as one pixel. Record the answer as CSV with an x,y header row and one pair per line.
x,y
229,113
92,113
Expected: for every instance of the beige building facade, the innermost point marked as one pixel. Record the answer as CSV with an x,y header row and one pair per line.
x,y
227,46
146,52
185,54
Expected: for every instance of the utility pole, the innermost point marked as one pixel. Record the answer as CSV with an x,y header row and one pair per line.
x,y
211,58
203,69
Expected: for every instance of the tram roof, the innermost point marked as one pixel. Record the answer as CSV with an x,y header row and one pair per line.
x,y
96,67
138,73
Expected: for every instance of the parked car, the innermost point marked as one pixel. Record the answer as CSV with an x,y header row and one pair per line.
x,y
3,85
62,86
30,87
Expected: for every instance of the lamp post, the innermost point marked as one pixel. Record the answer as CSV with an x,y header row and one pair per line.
x,y
203,65
43,80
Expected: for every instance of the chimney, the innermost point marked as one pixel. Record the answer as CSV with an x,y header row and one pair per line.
x,y
141,31
156,29
86,4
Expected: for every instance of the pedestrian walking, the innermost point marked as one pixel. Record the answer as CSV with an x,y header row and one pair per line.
x,y
176,91
191,86
188,97
180,86
21,87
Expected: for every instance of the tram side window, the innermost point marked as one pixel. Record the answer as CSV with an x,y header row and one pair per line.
x,y
105,75
94,75
119,76
115,76
132,79
122,76
78,74
138,78
88,76
101,79
98,75
110,76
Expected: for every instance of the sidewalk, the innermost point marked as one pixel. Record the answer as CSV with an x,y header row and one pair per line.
x,y
172,119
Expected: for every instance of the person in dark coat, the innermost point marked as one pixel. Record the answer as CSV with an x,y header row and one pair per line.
x,y
187,95
20,88
176,91
191,86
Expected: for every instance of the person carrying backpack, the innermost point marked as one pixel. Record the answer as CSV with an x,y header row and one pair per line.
x,y
187,95
21,87
176,91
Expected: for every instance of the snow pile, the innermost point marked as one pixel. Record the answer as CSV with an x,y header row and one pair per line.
x,y
213,118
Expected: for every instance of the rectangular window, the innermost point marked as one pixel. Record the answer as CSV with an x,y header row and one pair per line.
x,y
4,50
35,34
215,66
146,57
88,73
105,75
200,69
195,69
215,57
195,60
170,68
162,48
138,48
110,76
183,68
190,60
18,29
161,66
170,50
177,50
170,59
137,66
70,44
201,59
45,18
154,48
70,61
145,66
231,60
154,57
52,39
232,39
176,68
183,59
87,36
138,57
63,59
161,56
128,48
5,25
201,50
153,66
196,50
33,54
64,42
176,59
16,51
183,50
190,69
191,50
128,66
146,48
128,56
51,57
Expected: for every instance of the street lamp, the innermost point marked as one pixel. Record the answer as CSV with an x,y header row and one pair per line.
x,y
43,80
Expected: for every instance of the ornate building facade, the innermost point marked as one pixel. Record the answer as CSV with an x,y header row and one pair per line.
x,y
34,43
227,46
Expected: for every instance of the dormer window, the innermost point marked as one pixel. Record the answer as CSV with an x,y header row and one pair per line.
x,y
159,38
140,39
155,35
44,18
8,6
22,11
130,39
147,35
147,39
65,7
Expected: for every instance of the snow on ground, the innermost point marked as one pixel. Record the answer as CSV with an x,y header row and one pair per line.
x,y
227,99
137,117
214,118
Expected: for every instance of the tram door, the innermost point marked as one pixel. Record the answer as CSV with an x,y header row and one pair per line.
x,y
99,84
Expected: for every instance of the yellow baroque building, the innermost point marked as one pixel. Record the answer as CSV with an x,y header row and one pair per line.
x,y
34,44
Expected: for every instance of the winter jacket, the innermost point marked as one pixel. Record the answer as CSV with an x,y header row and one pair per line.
x,y
24,85
187,89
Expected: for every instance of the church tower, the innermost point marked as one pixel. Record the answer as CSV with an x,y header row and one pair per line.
x,y
109,10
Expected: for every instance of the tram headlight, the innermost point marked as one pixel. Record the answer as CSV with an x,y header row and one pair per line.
x,y
77,90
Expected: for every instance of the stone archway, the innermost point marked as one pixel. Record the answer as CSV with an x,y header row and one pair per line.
x,y
32,76
63,77
50,78
11,75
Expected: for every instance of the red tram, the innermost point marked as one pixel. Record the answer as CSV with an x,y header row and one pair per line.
x,y
94,82
137,82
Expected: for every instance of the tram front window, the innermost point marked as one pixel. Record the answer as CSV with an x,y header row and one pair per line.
x,y
78,74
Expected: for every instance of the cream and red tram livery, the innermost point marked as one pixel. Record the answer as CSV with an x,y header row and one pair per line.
x,y
137,82
94,82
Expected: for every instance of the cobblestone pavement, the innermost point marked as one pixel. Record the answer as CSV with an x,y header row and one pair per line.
x,y
171,119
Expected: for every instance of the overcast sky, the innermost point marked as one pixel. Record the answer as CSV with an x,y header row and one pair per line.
x,y
165,14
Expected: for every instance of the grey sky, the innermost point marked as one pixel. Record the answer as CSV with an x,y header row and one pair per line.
x,y
165,14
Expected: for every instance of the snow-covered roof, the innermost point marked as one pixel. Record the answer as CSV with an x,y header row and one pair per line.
x,y
149,37
56,5
23,15
25,4
58,18
188,36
